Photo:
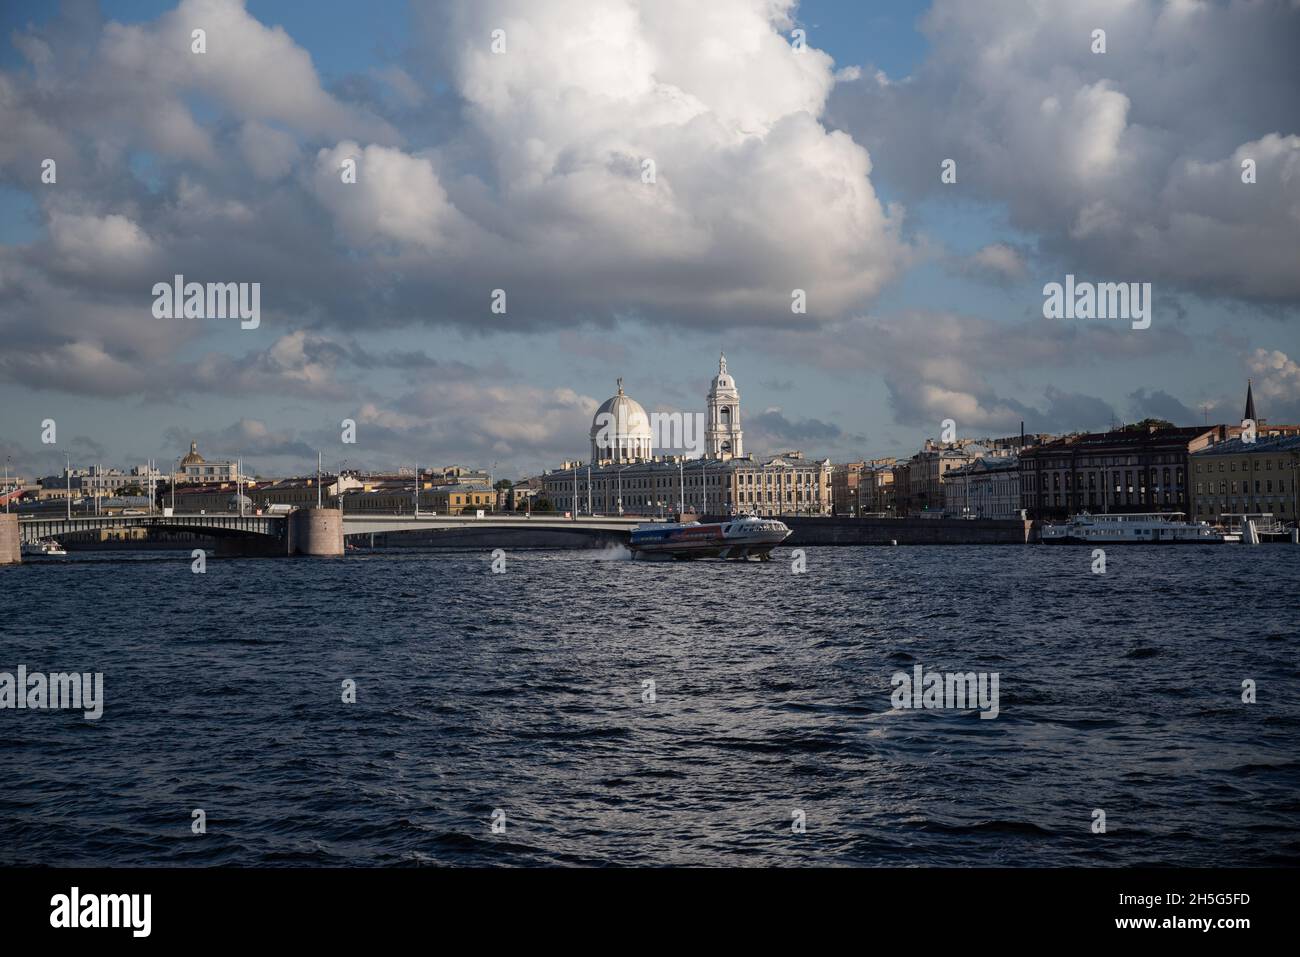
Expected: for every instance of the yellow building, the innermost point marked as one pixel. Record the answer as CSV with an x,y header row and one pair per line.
x,y
455,499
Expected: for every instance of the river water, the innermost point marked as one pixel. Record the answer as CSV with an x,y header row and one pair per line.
x,y
604,711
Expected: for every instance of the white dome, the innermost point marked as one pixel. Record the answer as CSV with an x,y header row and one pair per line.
x,y
620,429
723,382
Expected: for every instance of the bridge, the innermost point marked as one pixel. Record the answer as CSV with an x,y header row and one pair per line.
x,y
317,531
35,528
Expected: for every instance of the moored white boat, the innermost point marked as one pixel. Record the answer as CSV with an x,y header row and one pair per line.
x,y
44,548
1135,528
737,538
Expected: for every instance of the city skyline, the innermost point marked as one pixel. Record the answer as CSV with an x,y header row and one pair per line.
x,y
924,298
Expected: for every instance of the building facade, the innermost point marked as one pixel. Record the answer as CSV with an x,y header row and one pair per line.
x,y
919,482
846,482
987,487
1125,470
1236,477
787,484
194,469
625,477
876,488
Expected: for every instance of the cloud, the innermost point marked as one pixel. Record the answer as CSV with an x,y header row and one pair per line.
x,y
771,431
1276,385
1159,404
1127,163
255,71
938,365
224,166
253,441
396,199
1000,263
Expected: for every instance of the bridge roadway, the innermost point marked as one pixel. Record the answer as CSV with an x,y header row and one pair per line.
x,y
220,524
223,524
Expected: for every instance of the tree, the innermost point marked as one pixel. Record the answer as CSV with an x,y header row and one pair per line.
x,y
1148,424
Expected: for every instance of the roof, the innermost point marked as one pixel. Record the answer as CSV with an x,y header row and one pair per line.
x,y
1120,437
193,458
620,416
1261,446
987,463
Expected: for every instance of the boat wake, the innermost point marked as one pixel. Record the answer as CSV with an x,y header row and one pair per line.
x,y
612,552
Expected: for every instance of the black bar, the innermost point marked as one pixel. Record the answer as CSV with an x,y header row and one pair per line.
x,y
944,907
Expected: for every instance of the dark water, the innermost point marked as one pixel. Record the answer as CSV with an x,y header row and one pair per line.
x,y
523,691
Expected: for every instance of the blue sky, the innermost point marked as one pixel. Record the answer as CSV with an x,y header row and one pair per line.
x,y
926,298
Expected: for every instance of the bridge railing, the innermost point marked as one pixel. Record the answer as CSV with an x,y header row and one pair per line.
x,y
35,528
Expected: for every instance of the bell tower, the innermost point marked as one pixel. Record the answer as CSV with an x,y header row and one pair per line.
x,y
723,438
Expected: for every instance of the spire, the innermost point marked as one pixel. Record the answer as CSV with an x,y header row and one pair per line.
x,y
1250,403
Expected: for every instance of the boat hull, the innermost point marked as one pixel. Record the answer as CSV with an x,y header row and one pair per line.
x,y
1136,528
738,540
1076,540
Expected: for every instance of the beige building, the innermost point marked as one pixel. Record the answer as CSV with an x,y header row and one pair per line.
x,y
299,492
846,480
623,479
1236,477
918,483
787,484
876,488
194,469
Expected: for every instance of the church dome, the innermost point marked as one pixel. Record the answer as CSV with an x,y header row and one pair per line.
x,y
620,429
193,458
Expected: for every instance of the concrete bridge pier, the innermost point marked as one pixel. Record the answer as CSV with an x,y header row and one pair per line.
x,y
11,552
317,532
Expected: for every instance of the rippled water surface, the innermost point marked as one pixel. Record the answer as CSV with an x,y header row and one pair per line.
x,y
524,692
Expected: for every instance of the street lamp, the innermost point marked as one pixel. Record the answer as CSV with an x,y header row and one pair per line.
x,y
620,487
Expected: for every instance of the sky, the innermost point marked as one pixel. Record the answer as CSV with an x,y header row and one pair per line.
x,y
781,162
